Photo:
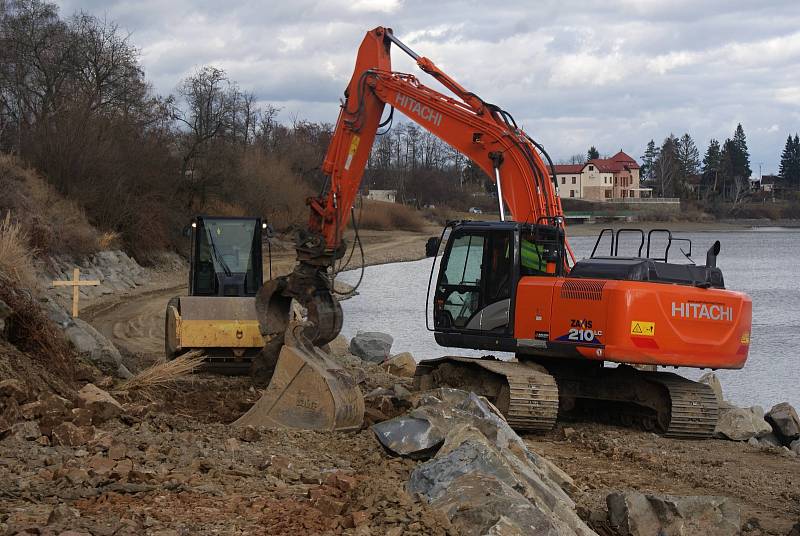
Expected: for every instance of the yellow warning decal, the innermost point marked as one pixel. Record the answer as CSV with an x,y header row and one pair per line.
x,y
352,151
745,338
643,329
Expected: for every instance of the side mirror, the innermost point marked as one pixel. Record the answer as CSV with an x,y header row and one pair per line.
x,y
269,231
187,231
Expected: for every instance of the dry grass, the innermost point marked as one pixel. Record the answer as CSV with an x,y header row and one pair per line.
x,y
164,374
35,334
53,223
382,216
109,240
16,256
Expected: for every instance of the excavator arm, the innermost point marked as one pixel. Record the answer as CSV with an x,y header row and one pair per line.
x,y
481,131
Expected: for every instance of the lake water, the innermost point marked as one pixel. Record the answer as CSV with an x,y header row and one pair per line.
x,y
762,263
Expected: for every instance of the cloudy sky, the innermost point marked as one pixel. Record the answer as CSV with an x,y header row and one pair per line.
x,y
612,73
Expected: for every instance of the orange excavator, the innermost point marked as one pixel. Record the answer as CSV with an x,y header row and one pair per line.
x,y
511,285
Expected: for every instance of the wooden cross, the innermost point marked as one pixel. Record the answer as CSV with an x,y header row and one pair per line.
x,y
75,283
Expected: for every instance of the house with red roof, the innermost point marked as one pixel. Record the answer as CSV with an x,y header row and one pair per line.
x,y
600,179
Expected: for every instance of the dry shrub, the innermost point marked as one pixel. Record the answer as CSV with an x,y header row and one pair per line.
x,y
383,216
34,334
16,256
267,187
109,240
52,223
165,373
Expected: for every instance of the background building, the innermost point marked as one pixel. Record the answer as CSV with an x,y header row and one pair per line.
x,y
600,179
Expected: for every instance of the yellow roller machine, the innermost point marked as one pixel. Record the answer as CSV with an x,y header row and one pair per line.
x,y
219,315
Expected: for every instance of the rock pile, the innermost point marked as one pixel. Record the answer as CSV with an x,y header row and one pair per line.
x,y
480,473
50,419
116,271
778,428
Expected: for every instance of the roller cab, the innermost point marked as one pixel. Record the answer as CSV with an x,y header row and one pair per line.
x,y
219,315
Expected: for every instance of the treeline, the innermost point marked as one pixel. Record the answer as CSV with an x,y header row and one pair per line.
x,y
424,170
75,105
675,169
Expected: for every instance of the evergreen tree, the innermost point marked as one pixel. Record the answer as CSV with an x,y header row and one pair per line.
x,y
592,153
667,169
741,160
648,160
688,156
711,167
790,161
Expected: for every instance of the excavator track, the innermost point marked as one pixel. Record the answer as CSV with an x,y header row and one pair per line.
x,y
694,409
526,394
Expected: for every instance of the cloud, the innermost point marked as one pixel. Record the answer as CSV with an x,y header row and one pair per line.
x,y
610,73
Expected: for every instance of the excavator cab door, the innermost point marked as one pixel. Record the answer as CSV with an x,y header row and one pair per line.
x,y
477,273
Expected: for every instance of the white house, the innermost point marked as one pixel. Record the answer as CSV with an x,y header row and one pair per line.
x,y
600,179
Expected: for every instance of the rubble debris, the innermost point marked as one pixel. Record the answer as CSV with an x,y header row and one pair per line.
x,y
402,364
636,514
13,388
102,405
371,346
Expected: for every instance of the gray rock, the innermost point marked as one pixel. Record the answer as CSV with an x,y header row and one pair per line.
x,y
27,430
784,421
635,514
371,346
433,478
409,436
712,381
92,344
479,504
795,446
740,424
769,440
479,441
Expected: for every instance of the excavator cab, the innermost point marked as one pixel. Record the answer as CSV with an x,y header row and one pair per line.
x,y
473,301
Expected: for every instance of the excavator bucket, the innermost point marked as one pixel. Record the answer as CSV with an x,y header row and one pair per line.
x,y
308,390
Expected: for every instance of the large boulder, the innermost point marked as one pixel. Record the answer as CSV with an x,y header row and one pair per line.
x,y
794,446
409,436
94,346
102,405
371,346
479,504
481,450
784,421
636,514
740,424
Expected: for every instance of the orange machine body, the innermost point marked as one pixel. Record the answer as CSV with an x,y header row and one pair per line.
x,y
633,322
